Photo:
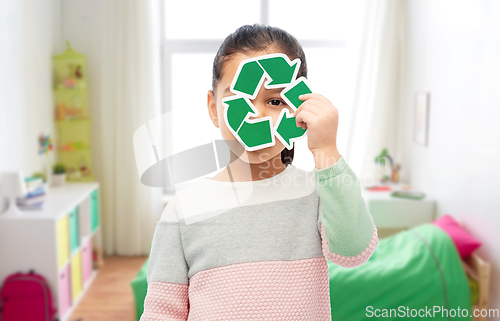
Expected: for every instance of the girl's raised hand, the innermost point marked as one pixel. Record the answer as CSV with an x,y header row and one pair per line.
x,y
321,119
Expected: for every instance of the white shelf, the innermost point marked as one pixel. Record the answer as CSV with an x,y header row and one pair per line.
x,y
59,201
34,241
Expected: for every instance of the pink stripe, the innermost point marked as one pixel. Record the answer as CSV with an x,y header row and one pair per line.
x,y
349,261
166,301
265,290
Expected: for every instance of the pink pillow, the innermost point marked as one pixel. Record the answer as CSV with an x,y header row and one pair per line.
x,y
465,243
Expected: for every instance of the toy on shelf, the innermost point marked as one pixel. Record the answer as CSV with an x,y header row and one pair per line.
x,y
377,188
395,168
97,257
70,85
40,175
80,166
72,115
58,174
36,192
70,69
45,146
75,146
71,104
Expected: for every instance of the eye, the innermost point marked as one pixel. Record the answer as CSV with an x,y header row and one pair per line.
x,y
276,102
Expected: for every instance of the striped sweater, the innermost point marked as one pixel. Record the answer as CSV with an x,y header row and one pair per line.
x,y
257,250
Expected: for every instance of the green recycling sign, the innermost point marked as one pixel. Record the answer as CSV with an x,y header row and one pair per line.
x,y
260,133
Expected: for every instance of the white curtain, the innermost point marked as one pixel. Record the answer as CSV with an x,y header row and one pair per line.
x,y
129,97
373,121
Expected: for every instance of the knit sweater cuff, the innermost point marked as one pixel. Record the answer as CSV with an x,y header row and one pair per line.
x,y
330,171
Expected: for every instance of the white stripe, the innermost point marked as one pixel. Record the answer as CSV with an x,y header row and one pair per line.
x,y
209,196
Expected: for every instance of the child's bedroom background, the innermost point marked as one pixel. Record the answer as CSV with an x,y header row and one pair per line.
x,y
417,86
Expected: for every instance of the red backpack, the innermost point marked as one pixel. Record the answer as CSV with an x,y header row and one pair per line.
x,y
26,296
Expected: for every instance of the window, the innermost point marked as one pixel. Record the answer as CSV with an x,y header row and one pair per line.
x,y
192,31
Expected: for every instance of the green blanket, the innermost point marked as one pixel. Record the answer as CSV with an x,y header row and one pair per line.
x,y
140,288
415,271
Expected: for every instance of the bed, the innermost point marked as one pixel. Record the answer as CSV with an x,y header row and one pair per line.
x,y
416,268
411,272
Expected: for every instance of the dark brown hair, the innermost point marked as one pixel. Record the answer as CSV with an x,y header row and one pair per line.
x,y
257,37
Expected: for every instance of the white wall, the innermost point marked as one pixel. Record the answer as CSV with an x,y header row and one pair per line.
x,y
29,30
83,22
452,50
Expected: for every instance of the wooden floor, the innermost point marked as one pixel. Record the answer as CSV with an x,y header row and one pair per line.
x,y
109,297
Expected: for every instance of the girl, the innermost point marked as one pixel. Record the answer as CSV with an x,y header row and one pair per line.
x,y
252,244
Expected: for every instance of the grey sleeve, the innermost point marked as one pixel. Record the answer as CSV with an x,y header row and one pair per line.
x,y
166,260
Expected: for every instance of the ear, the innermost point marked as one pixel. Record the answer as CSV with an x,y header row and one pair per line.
x,y
212,108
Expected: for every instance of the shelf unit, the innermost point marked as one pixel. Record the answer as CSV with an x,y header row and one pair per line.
x,y
72,115
56,242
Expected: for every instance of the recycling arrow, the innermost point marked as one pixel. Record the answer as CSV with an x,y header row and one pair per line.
x,y
250,79
237,112
259,133
253,133
291,93
286,128
280,70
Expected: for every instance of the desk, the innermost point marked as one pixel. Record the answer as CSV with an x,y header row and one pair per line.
x,y
393,214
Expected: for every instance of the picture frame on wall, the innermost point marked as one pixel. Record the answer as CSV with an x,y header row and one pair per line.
x,y
421,118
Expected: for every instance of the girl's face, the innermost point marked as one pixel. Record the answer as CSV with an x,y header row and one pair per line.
x,y
268,102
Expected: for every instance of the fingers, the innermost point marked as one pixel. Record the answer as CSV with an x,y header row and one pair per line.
x,y
313,106
303,118
313,96
307,96
310,106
